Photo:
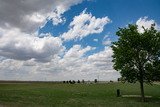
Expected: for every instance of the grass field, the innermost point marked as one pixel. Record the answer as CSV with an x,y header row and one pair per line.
x,y
75,95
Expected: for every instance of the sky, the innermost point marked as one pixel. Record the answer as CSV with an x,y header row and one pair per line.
x,y
55,40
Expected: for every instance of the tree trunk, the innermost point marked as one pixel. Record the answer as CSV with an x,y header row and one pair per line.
x,y
141,71
141,82
142,91
141,85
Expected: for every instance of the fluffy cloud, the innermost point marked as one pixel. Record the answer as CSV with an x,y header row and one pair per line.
x,y
74,57
77,51
19,19
25,56
22,46
28,15
74,65
102,59
143,21
84,25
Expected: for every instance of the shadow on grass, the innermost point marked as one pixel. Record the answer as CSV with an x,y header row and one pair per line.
x,y
137,98
154,100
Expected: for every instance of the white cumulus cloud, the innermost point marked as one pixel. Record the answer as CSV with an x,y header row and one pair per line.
x,y
146,23
20,19
29,15
25,56
22,46
84,25
73,66
77,51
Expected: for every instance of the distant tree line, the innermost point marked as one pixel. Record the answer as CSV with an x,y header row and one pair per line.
x,y
78,81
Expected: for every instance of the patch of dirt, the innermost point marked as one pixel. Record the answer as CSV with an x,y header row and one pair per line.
x,y
135,96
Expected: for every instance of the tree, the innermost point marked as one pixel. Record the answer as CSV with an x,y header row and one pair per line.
x,y
67,81
83,81
137,55
70,81
73,82
78,81
95,81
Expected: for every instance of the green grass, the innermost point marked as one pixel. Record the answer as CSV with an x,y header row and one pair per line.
x,y
76,95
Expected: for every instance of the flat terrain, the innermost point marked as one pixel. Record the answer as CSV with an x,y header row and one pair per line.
x,y
76,95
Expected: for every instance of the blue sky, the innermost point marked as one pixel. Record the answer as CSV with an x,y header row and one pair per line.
x,y
66,39
121,13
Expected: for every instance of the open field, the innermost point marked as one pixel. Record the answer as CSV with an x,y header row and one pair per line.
x,y
76,95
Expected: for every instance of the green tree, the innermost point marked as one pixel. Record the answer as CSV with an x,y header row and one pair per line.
x,y
95,80
137,55
78,81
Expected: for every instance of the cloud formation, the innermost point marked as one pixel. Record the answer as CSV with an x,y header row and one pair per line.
x,y
29,15
22,46
146,23
73,66
25,56
20,19
84,25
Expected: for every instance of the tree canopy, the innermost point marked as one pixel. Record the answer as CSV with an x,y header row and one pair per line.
x,y
137,55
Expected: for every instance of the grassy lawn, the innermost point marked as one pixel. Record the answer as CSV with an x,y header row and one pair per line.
x,y
76,95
